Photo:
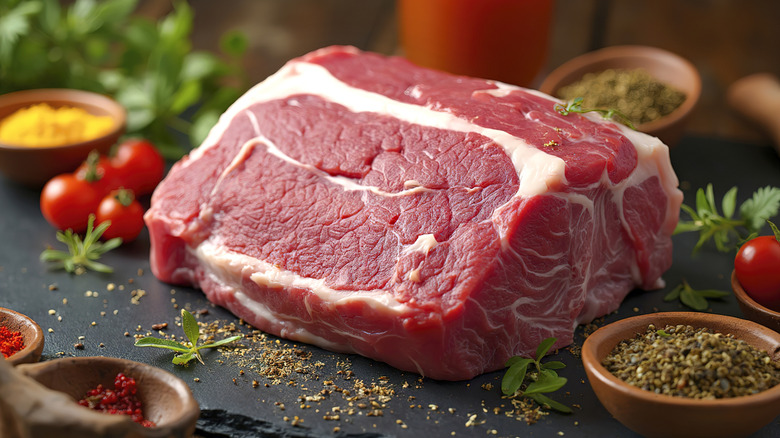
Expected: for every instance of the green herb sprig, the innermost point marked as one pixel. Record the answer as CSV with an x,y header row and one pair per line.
x,y
544,380
726,231
188,350
82,254
696,299
575,106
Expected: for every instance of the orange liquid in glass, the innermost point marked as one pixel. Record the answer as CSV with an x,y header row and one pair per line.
x,y
504,40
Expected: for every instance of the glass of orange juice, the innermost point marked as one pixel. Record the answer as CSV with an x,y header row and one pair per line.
x,y
503,40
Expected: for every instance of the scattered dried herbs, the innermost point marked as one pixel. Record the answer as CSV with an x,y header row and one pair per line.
x,y
695,363
634,93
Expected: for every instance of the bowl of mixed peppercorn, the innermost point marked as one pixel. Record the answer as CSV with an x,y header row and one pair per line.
x,y
649,88
686,374
21,339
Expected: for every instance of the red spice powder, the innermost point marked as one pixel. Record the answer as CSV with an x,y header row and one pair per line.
x,y
10,342
120,400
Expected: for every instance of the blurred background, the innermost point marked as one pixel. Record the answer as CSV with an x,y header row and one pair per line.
x,y
724,39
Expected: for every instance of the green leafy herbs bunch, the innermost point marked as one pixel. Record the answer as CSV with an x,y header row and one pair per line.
x,y
148,66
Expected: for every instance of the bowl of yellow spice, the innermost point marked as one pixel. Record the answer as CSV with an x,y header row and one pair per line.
x,y
46,132
656,90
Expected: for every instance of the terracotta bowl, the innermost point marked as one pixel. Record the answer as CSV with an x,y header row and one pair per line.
x,y
31,332
665,66
752,310
33,166
658,415
166,399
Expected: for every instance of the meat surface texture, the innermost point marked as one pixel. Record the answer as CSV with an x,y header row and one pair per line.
x,y
438,223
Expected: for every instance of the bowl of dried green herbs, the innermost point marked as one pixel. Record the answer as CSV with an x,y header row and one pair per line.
x,y
686,374
652,88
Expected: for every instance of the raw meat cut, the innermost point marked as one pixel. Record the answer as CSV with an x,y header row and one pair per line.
x,y
438,223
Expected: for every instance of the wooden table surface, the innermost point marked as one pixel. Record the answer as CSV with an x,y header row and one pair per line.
x,y
724,39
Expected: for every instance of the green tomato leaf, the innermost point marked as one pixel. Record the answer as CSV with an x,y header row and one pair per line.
x,y
775,230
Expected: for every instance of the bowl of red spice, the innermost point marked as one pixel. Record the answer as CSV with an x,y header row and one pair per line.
x,y
21,339
117,397
46,132
656,90
686,374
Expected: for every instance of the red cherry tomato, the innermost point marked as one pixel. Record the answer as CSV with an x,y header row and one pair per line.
x,y
139,165
67,202
124,212
757,267
98,171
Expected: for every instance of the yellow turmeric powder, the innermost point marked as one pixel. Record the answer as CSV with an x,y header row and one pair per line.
x,y
42,125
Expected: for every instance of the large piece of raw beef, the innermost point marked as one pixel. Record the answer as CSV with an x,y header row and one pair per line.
x,y
438,223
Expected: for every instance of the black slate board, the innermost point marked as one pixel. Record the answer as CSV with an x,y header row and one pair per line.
x,y
232,406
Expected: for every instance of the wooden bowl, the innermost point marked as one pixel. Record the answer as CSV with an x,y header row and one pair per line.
x,y
166,399
33,166
658,415
665,66
31,332
752,310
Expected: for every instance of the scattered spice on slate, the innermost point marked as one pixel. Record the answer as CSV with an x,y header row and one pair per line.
x,y
120,400
694,363
634,93
11,342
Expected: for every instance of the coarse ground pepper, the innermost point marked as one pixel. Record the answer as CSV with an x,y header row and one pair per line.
x,y
120,400
635,93
11,342
694,363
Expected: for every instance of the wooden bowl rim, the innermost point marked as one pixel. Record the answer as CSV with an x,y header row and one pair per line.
x,y
184,418
30,330
742,296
